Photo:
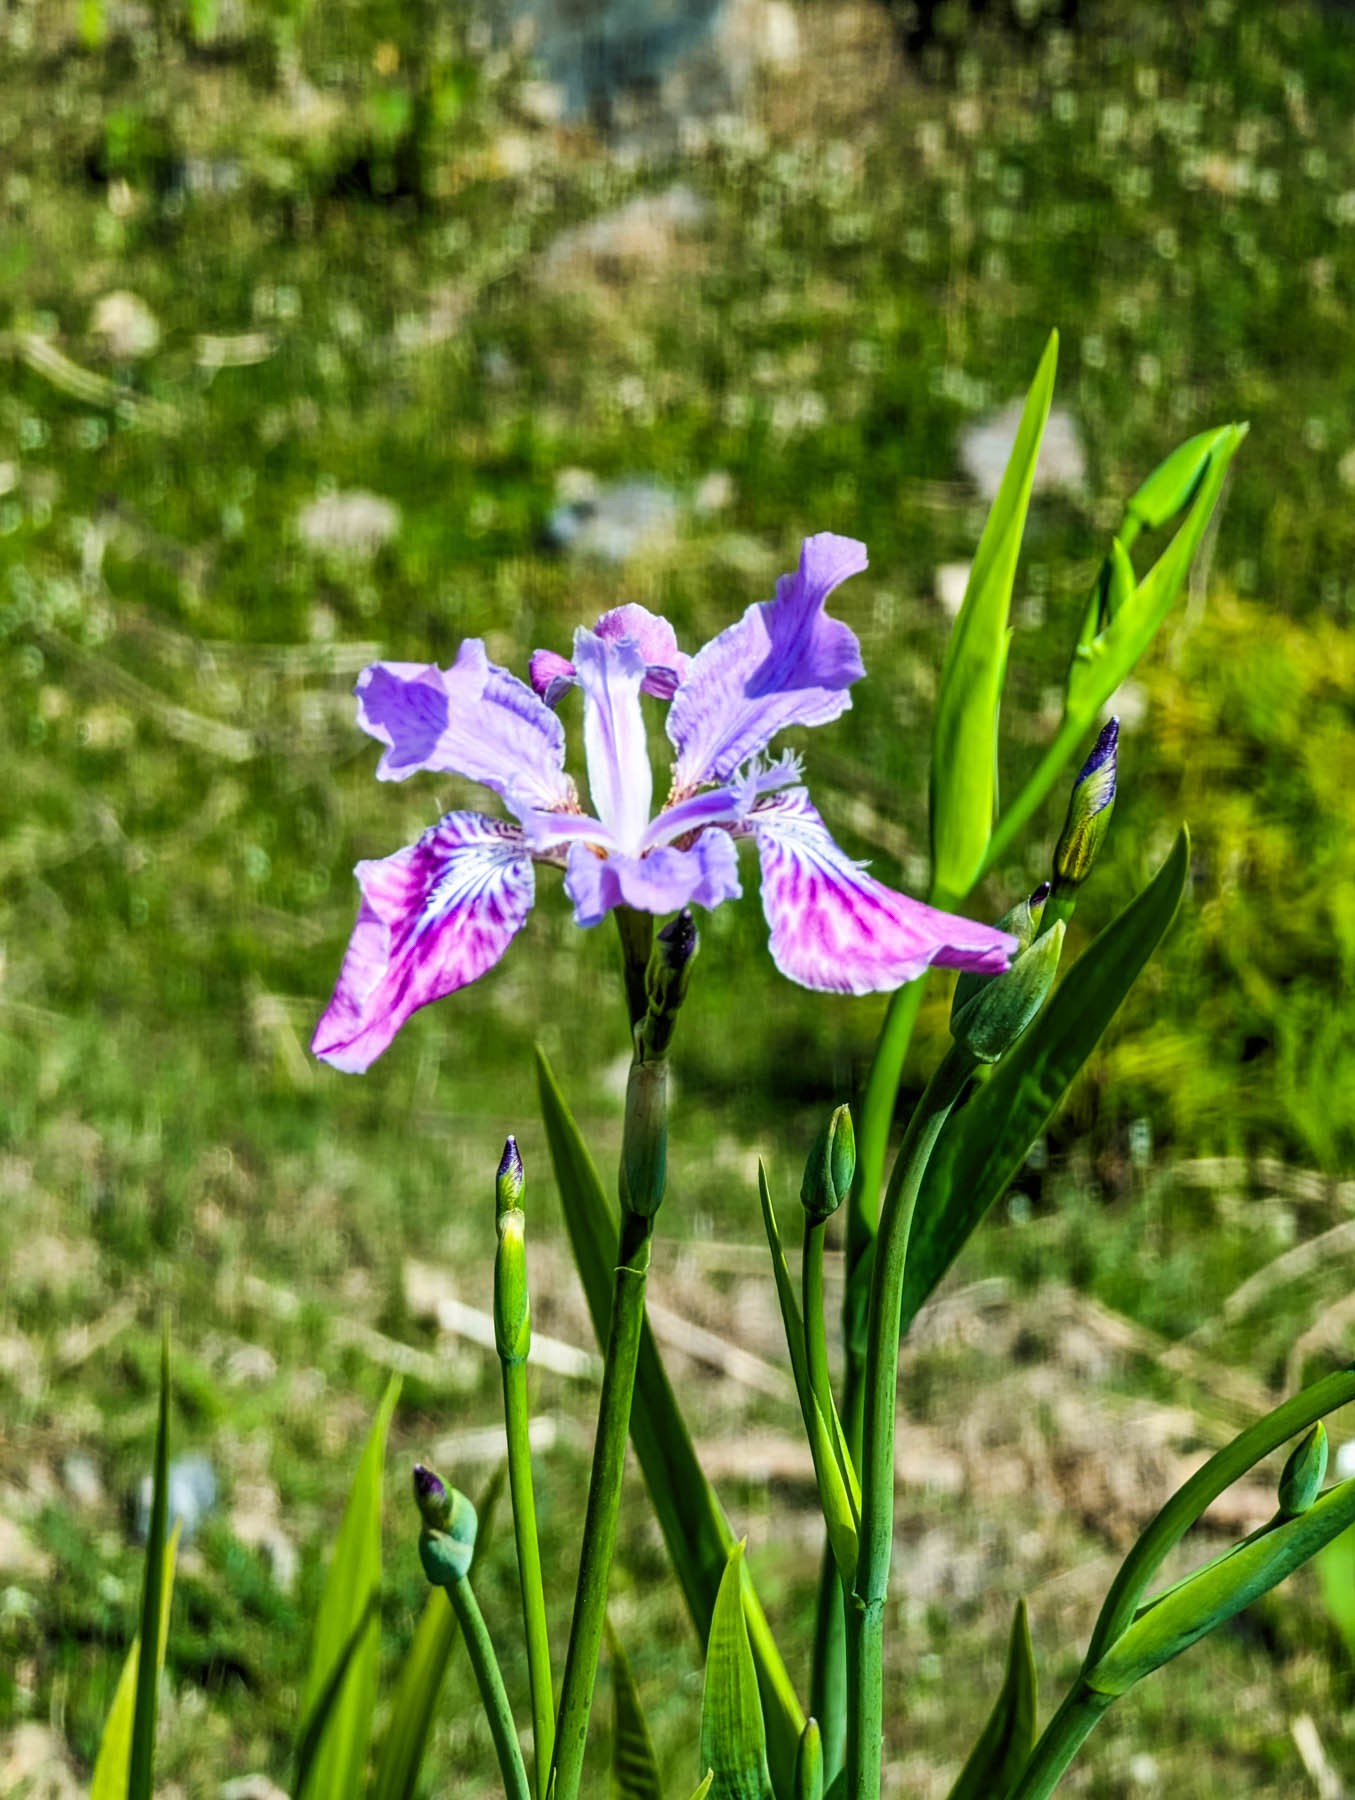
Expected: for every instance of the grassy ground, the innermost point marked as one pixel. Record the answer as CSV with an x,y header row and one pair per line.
x,y
350,234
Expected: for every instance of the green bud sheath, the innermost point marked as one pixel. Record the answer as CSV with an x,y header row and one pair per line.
x,y
809,1763
447,1541
830,1167
1023,922
990,1023
1304,1473
512,1307
644,1164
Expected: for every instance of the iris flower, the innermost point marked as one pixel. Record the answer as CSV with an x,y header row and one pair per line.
x,y
437,915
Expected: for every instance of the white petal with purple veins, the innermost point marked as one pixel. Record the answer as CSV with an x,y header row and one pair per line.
x,y
784,663
835,927
620,781
433,918
474,719
661,882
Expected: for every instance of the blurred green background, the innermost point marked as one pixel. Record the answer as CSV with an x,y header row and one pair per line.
x,y
331,331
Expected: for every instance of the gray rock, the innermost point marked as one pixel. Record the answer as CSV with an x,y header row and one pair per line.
x,y
354,524
616,522
640,63
127,326
985,448
192,1495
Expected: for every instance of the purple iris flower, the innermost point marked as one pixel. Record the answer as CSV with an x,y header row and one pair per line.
x,y
435,916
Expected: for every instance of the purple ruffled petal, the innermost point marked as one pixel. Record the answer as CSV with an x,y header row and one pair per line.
x,y
474,719
662,882
433,918
833,926
784,663
620,780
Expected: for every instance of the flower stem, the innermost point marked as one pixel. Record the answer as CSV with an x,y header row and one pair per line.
x,y
811,1304
604,1500
485,1666
517,1420
865,1604
1060,1742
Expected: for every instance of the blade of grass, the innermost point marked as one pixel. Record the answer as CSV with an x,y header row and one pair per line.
x,y
141,1763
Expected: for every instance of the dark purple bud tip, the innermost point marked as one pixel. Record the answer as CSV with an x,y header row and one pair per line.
x,y
431,1497
1040,895
679,938
1102,762
510,1179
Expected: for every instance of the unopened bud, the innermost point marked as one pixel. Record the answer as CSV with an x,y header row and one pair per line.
x,y
1023,922
512,1306
1303,1475
666,978
991,1021
1089,810
809,1763
509,1181
830,1167
447,1541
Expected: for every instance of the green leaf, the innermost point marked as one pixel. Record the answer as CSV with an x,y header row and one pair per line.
x,y
1172,485
1099,667
694,1526
635,1768
986,1141
115,1746
809,1763
704,1789
841,1502
1198,1606
733,1741
141,1762
963,780
1336,1577
1008,1738
421,1673
340,1693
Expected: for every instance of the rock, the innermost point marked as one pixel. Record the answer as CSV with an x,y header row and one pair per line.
x,y
639,237
651,64
35,1765
985,448
353,524
192,1495
950,582
128,327
21,1557
82,1481
616,522
251,1787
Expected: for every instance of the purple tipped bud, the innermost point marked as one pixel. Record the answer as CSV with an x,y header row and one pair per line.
x,y
1089,810
432,1498
510,1180
1040,895
679,940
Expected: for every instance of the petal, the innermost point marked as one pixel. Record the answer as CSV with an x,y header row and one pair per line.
x,y
784,663
474,719
433,918
620,781
552,675
655,639
834,926
662,882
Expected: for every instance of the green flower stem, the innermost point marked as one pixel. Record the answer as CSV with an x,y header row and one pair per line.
x,y
828,1674
517,1419
875,1115
1019,814
636,931
1060,1742
489,1680
604,1500
811,1305
865,1604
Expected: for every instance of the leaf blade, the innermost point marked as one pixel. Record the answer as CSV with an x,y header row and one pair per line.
x,y
733,1739
635,1768
963,778
1007,1739
141,1760
986,1141
340,1692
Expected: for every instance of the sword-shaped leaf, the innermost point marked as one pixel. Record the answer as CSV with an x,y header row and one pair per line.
x,y
635,1768
999,1756
733,1740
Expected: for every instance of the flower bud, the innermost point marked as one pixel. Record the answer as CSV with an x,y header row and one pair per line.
x,y
666,978
1089,809
830,1167
512,1306
509,1181
1304,1473
1023,922
447,1541
990,1022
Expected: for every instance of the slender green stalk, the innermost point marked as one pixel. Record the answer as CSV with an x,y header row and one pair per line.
x,y
811,1305
1019,814
875,1114
493,1696
828,1674
865,1605
517,1420
1060,1742
604,1500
